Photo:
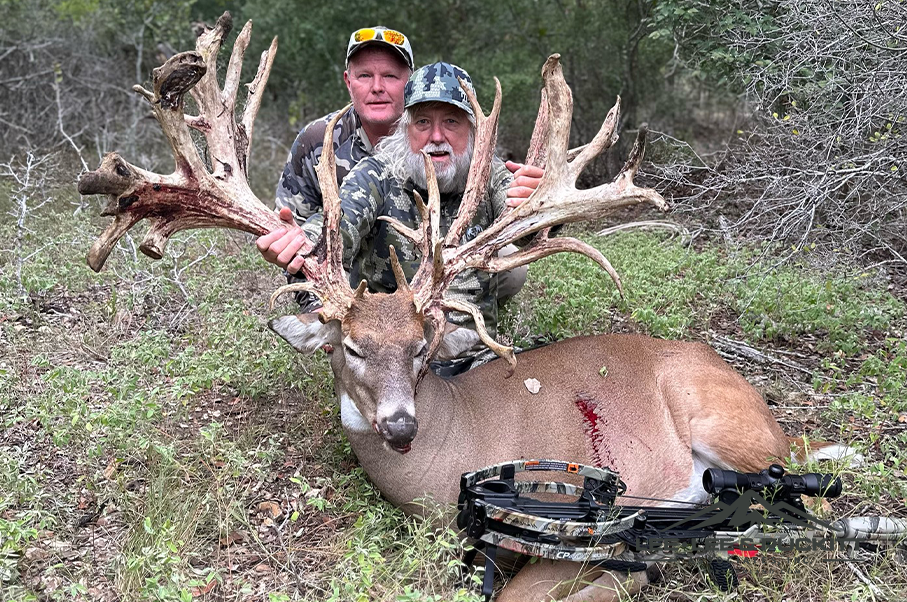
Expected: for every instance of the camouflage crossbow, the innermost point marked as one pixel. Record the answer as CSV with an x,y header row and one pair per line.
x,y
495,512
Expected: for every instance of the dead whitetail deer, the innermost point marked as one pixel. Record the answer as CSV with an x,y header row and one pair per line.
x,y
660,413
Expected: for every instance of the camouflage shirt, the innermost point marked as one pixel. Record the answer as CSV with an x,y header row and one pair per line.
x,y
298,187
369,192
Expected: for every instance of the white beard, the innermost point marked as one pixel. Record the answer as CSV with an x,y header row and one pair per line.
x,y
451,177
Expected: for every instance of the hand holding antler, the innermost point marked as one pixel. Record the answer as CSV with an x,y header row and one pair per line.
x,y
526,178
286,246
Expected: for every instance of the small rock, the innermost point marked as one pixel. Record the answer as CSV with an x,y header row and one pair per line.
x,y
36,554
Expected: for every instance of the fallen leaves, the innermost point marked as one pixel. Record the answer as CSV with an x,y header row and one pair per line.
x,y
231,538
271,509
532,385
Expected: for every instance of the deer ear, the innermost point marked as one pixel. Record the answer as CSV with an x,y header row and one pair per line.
x,y
456,341
305,332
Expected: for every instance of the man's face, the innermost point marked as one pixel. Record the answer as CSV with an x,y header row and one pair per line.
x,y
442,129
375,79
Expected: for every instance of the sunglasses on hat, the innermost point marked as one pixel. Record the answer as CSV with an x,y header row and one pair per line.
x,y
393,38
367,34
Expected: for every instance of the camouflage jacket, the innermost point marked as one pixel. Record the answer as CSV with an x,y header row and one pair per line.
x,y
370,192
298,187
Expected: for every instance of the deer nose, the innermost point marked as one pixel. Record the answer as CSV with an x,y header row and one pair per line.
x,y
400,429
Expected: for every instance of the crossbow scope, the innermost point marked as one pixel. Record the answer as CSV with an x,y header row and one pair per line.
x,y
771,483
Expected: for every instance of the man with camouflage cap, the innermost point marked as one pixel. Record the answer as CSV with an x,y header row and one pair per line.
x,y
438,119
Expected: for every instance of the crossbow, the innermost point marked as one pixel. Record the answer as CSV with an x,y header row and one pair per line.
x,y
495,511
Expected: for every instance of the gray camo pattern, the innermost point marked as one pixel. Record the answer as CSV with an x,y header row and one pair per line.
x,y
298,187
438,82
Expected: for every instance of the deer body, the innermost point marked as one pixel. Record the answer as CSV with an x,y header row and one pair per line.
x,y
659,412
646,418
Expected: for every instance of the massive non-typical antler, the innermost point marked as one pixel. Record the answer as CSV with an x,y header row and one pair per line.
x,y
197,195
556,201
193,196
200,195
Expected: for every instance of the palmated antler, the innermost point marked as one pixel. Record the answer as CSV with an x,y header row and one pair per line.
x,y
197,195
555,202
193,196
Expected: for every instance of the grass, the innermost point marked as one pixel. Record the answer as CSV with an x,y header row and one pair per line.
x,y
152,392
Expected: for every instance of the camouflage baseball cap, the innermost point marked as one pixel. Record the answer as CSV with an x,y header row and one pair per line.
x,y
369,36
438,83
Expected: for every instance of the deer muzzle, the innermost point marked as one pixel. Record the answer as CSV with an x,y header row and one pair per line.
x,y
399,431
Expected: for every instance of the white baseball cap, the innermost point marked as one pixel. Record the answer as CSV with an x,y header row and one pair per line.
x,y
380,35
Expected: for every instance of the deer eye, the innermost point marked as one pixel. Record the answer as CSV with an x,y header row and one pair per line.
x,y
352,351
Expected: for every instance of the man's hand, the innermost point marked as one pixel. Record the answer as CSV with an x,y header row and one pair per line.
x,y
526,179
282,246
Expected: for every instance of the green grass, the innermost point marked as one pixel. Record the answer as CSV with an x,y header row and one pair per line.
x,y
673,291
160,392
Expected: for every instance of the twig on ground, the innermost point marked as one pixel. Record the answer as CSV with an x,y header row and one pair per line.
x,y
647,225
874,590
731,349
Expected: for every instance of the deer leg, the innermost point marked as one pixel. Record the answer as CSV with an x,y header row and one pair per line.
x,y
547,581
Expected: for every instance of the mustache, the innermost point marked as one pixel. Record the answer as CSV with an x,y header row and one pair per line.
x,y
442,147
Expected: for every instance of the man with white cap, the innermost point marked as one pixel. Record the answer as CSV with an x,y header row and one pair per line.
x,y
378,62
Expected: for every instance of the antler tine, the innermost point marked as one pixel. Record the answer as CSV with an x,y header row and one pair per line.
x,y
480,167
428,226
427,277
537,154
325,266
543,247
603,140
399,276
560,114
501,350
330,191
191,196
428,239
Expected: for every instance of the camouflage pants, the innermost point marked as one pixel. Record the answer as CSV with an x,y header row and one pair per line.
x,y
511,281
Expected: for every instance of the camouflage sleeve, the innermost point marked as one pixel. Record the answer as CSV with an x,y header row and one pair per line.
x,y
499,183
298,187
361,194
477,287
